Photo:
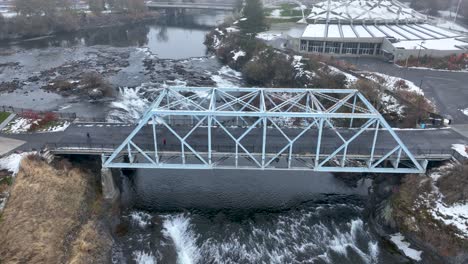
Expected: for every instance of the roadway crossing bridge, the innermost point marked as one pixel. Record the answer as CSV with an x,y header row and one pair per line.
x,y
260,128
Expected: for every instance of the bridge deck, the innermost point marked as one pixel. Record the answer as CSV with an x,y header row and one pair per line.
x,y
432,144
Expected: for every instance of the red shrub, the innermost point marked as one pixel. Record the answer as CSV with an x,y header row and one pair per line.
x,y
30,115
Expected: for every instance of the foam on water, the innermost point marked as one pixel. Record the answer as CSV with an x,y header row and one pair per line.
x,y
177,227
227,77
140,218
293,237
129,105
141,257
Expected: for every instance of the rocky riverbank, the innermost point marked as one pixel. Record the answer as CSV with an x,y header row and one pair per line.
x,y
430,211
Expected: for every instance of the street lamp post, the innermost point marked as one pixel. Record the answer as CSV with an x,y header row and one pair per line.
x,y
419,52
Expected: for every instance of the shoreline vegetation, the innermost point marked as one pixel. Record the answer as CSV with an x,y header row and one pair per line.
x,y
42,18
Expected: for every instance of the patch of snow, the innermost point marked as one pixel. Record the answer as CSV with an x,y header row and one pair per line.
x,y
219,31
232,29
398,240
12,162
392,105
349,77
59,127
464,111
227,77
454,215
243,19
18,125
276,13
299,67
390,81
268,36
238,54
461,149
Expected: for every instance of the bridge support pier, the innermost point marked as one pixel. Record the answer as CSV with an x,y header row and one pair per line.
x,y
109,189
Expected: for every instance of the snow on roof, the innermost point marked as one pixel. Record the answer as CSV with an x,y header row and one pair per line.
x,y
364,10
362,32
348,31
314,31
333,31
406,34
440,30
415,32
376,32
432,44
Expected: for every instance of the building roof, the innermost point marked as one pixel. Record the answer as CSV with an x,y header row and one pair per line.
x,y
370,11
400,32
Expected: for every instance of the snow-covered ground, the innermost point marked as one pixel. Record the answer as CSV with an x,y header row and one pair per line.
x,y
299,67
399,241
460,148
237,54
22,125
12,162
268,36
350,78
391,82
455,215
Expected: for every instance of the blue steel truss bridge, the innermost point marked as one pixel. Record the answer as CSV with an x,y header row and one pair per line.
x,y
322,130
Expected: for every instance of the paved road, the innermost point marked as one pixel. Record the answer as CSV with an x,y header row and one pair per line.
x,y
111,135
448,90
418,141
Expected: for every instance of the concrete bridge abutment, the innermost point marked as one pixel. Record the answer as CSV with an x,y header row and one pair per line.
x,y
109,187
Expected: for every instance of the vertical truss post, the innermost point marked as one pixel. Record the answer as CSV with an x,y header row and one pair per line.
x,y
155,140
263,110
352,111
209,138
377,124
319,141
212,108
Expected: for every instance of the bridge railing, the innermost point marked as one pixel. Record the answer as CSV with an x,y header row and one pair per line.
x,y
253,148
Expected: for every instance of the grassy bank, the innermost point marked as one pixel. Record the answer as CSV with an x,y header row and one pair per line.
x,y
52,216
3,116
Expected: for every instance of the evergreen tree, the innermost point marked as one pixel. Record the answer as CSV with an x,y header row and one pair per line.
x,y
253,20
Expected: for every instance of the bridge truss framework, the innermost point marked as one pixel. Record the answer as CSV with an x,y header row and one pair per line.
x,y
323,130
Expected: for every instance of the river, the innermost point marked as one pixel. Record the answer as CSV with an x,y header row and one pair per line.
x,y
194,216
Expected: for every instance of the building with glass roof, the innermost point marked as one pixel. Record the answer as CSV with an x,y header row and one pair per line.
x,y
375,28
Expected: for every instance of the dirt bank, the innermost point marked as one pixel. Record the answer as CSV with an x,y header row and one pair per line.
x,y
53,215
